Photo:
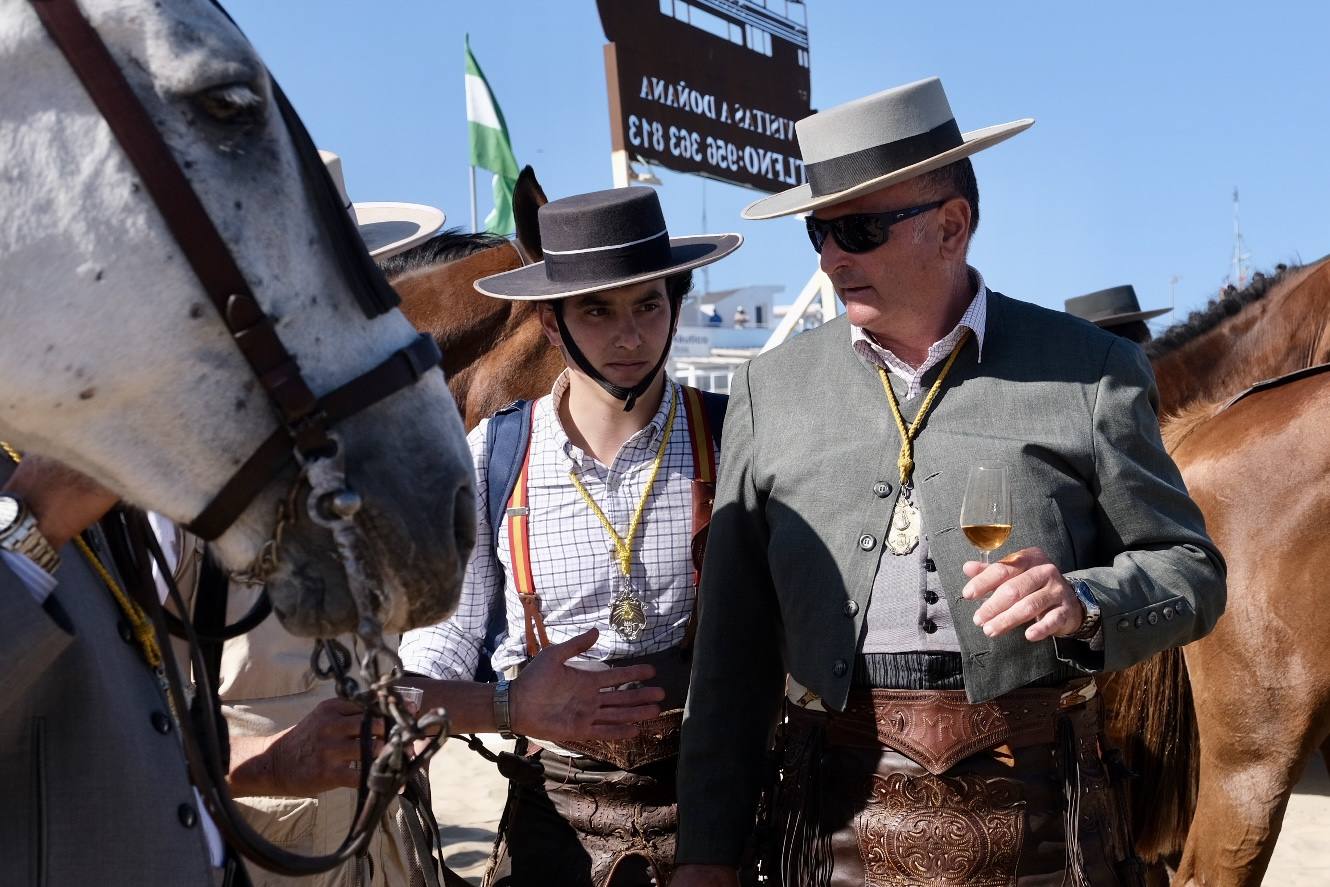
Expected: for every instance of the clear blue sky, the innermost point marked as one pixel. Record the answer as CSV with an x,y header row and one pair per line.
x,y
1149,114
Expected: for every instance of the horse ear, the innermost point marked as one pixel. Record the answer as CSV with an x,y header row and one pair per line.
x,y
528,197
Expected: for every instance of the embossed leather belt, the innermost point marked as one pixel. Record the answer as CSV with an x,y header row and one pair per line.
x,y
656,740
938,728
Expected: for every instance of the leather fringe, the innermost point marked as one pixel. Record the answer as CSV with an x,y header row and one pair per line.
x,y
805,857
1069,770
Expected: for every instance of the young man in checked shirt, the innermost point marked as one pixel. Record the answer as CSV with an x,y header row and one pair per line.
x,y
593,560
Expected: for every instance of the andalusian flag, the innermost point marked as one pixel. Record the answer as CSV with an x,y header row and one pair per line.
x,y
490,148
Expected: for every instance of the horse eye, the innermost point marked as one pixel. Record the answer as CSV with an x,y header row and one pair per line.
x,y
233,103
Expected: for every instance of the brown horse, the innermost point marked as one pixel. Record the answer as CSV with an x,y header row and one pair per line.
x,y
494,351
1226,761
1258,470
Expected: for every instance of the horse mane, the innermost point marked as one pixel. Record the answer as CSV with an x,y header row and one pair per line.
x,y
1176,428
1155,719
1228,302
447,246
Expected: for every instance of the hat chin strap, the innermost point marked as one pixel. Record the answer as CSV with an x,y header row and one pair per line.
x,y
618,392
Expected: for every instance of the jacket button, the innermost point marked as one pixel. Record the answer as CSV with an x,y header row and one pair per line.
x,y
930,597
929,626
1168,613
851,608
160,722
882,489
126,632
929,565
866,542
1153,618
188,817
840,668
1139,621
1123,624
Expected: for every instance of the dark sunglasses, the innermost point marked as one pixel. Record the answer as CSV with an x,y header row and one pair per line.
x,y
861,232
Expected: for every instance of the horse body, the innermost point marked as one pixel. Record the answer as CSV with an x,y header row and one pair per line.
x,y
115,361
1221,740
1261,680
493,350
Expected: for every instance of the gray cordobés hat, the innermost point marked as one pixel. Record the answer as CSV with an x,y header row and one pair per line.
x,y
877,141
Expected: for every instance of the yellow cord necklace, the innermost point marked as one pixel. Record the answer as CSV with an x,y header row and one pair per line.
x,y
627,610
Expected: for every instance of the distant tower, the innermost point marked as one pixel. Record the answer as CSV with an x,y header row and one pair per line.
x,y
1240,254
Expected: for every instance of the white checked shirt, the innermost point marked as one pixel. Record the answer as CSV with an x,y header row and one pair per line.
x,y
572,557
974,319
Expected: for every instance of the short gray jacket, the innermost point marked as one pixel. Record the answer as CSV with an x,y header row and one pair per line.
x,y
95,787
798,527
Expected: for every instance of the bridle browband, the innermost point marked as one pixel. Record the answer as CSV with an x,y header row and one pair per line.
x,y
304,434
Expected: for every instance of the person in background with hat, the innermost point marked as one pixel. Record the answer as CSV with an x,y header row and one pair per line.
x,y
1116,310
939,720
591,509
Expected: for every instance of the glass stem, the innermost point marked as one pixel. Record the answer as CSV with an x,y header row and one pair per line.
x,y
985,557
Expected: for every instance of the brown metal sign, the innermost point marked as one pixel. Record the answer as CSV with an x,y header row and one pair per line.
x,y
709,86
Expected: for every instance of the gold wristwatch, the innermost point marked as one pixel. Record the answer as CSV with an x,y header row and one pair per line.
x,y
19,534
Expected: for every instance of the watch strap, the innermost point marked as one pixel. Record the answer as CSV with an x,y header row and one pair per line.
x,y
1090,626
24,538
503,718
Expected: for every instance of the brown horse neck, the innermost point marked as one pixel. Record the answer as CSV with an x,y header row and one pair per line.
x,y
1284,331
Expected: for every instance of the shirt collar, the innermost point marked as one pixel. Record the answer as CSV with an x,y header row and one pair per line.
x,y
649,434
975,319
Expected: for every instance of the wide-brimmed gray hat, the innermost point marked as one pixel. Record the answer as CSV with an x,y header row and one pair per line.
x,y
387,227
877,141
1117,304
604,240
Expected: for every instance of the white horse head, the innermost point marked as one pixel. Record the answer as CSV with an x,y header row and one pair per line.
x,y
115,362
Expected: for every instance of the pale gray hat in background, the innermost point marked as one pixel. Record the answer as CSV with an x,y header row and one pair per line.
x,y
877,141
387,228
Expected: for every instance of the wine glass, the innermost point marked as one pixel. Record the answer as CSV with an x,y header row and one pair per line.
x,y
986,511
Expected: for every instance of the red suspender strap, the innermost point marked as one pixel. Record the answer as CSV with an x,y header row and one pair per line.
x,y
699,434
519,545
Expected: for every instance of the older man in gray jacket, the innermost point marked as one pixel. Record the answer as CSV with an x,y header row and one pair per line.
x,y
95,783
939,723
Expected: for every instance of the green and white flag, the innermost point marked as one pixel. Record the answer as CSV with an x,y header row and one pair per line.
x,y
490,147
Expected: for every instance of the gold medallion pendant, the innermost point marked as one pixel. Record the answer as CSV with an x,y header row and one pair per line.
x,y
627,611
905,523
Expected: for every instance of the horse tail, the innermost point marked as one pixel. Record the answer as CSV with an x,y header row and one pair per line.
x,y
1152,718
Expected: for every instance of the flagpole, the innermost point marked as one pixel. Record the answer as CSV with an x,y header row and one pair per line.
x,y
473,200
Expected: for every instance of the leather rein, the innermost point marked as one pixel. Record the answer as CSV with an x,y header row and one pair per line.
x,y
304,434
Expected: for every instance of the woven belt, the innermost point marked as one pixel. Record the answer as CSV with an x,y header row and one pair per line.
x,y
938,728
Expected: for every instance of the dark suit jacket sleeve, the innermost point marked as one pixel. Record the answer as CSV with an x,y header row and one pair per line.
x,y
32,635
738,675
1166,582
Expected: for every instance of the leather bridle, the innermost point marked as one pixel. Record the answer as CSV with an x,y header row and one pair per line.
x,y
304,433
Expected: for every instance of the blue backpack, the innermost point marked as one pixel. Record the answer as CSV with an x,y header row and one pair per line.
x,y
506,442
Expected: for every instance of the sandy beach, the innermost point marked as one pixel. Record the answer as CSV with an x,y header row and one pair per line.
x,y
469,795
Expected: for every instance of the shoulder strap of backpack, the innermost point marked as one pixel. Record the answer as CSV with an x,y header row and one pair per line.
x,y
506,442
